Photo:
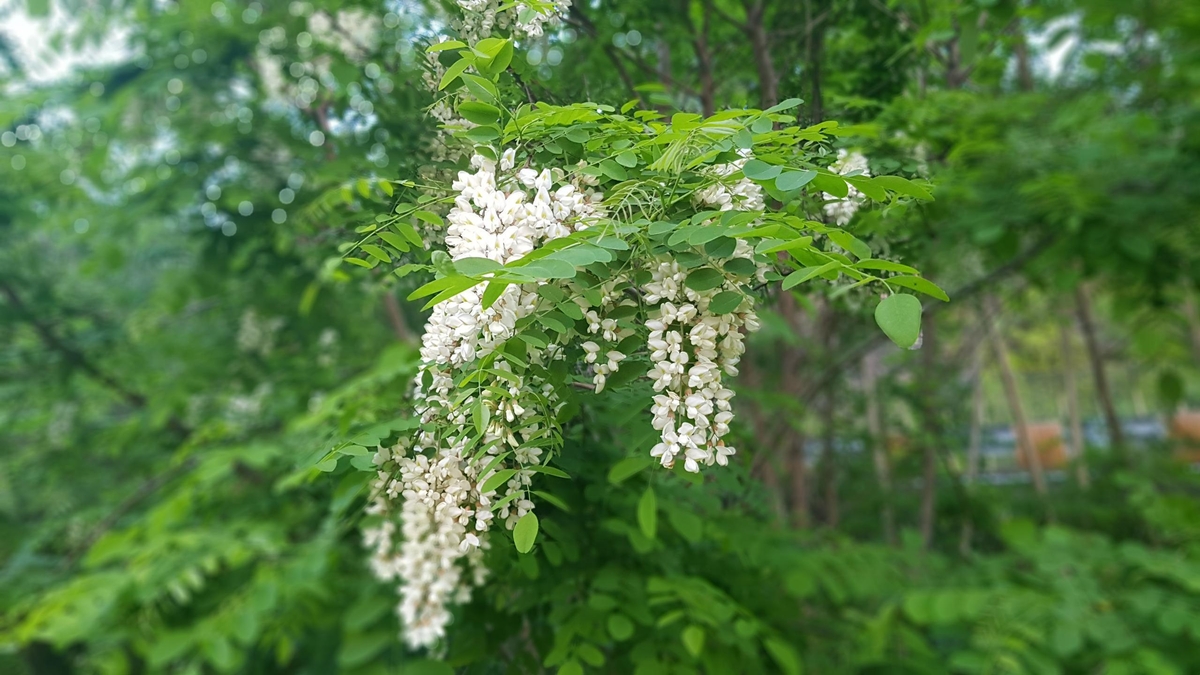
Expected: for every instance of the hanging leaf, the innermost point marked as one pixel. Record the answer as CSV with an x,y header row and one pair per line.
x,y
899,316
794,180
525,533
921,285
693,639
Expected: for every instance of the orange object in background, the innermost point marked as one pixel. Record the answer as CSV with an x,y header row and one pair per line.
x,y
1047,440
1185,435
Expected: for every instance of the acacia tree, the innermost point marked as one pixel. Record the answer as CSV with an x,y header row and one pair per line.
x,y
584,244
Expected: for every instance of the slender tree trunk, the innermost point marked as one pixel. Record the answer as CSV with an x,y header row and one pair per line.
x,y
1193,323
974,443
1083,307
1025,445
798,470
933,431
704,60
814,54
1076,447
883,469
766,466
760,45
829,461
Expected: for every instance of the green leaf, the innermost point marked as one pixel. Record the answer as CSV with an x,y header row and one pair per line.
x,y
800,276
832,184
492,292
436,286
884,265
457,68
786,104
571,667
620,627
785,657
794,180
703,279
850,243
395,240
693,639
900,318
443,46
474,267
430,217
687,524
369,264
479,112
627,468
627,159
497,479
489,47
479,87
725,302
613,170
756,169
410,233
548,268
497,64
921,285
762,125
481,416
647,513
525,533
552,499
548,470
868,187
903,186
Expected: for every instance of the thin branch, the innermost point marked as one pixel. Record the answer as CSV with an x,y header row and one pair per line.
x,y
852,355
146,489
78,359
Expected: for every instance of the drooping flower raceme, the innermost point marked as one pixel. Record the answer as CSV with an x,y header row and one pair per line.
x,y
446,504
841,209
693,348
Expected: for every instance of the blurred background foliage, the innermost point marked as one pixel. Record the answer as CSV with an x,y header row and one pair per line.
x,y
180,347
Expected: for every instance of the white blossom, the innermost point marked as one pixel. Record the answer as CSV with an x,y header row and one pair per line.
x,y
842,209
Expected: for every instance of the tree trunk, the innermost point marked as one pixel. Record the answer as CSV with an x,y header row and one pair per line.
x,y
974,443
1083,308
933,432
798,469
883,470
1076,447
829,461
814,55
760,45
1193,323
1025,445
704,60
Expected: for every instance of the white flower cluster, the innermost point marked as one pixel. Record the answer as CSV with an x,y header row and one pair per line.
x,y
525,18
354,32
741,195
256,334
445,512
692,350
841,210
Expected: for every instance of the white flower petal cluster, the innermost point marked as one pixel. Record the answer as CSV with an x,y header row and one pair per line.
x,y
692,350
354,32
740,195
499,214
524,18
841,210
